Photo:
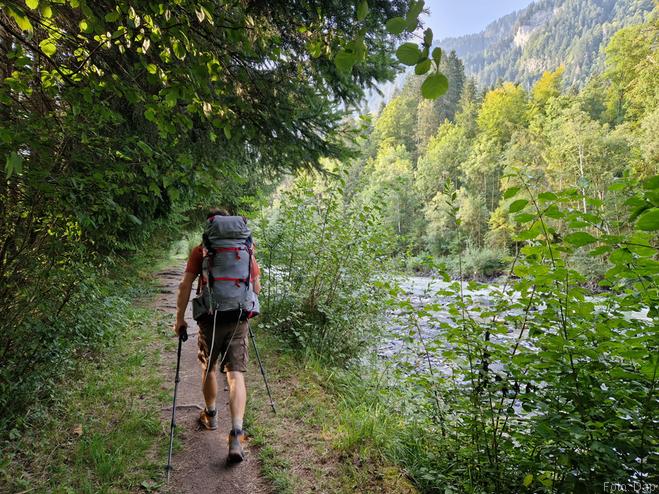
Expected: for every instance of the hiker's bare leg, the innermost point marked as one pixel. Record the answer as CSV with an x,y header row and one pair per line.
x,y
209,388
237,397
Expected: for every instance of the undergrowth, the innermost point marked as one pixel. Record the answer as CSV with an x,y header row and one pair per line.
x,y
91,421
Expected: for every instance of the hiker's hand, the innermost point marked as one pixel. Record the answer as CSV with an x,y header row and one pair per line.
x,y
181,328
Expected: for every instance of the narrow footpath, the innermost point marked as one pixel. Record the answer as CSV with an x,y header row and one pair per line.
x,y
200,466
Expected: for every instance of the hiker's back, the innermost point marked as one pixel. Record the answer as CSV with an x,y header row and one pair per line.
x,y
227,270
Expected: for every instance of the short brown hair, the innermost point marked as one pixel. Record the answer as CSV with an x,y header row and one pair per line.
x,y
218,212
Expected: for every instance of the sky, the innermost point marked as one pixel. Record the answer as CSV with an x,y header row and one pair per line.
x,y
457,17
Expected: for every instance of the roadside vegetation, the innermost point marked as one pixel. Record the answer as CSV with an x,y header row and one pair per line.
x,y
98,428
542,387
323,437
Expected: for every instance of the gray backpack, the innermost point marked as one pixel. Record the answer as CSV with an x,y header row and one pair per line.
x,y
227,270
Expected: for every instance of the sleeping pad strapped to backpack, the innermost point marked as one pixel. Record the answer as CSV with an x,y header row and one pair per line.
x,y
227,270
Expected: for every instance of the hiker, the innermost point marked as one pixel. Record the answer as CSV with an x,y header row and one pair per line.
x,y
226,299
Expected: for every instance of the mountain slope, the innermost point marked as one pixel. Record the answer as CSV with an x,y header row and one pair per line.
x,y
520,46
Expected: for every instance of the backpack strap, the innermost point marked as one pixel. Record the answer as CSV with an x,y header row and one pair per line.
x,y
237,281
232,249
207,263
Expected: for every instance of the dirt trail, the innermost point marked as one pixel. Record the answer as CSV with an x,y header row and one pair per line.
x,y
200,465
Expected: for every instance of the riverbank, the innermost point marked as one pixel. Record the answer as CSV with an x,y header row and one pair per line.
x,y
327,436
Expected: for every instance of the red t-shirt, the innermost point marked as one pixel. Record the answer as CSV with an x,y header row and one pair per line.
x,y
196,259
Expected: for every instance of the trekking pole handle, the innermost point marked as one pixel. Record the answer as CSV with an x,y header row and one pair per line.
x,y
183,333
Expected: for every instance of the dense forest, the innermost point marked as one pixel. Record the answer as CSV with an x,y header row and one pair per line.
x,y
472,140
547,33
473,269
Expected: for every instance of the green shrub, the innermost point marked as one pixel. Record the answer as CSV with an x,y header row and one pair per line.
x,y
420,264
320,257
478,263
593,269
58,316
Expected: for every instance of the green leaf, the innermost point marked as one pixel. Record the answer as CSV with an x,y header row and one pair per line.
x,y
146,149
134,219
580,238
150,114
427,37
151,485
357,48
649,220
171,97
598,251
651,183
48,47
517,205
396,25
112,16
415,10
434,86
531,233
553,212
179,50
22,20
528,480
642,250
315,48
638,209
408,53
593,201
362,10
151,68
510,192
344,60
46,11
547,196
14,164
437,55
524,217
33,4
653,196
207,15
422,67
411,24
173,193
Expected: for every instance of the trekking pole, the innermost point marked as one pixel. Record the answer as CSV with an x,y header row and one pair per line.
x,y
183,336
258,358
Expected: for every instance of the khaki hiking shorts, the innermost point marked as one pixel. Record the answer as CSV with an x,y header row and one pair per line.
x,y
230,346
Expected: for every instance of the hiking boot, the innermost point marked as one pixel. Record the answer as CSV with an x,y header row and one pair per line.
x,y
236,453
208,420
